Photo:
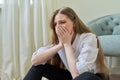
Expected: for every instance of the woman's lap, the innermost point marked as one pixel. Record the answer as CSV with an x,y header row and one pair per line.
x,y
49,71
54,73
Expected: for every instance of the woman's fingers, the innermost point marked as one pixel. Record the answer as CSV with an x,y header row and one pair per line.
x,y
63,30
60,32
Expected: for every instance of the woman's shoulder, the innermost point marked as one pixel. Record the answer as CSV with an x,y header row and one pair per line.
x,y
88,34
84,35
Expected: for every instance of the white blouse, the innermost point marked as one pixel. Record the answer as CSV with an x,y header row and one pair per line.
x,y
85,50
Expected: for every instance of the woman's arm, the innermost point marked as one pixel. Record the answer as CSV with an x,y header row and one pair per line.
x,y
44,55
71,60
88,53
66,38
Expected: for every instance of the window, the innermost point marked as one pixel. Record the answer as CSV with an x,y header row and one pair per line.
x,y
31,1
1,1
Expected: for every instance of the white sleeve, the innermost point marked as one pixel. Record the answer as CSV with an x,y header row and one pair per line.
x,y
41,49
88,54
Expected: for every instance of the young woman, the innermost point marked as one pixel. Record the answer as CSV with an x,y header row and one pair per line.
x,y
78,49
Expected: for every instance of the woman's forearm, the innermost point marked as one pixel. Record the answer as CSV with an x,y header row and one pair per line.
x,y
43,56
71,60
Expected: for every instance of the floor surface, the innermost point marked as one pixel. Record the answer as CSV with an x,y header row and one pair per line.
x,y
115,77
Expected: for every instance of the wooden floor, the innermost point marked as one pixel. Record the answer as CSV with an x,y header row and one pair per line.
x,y
114,77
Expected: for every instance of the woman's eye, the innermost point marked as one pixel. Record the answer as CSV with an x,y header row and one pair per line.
x,y
62,22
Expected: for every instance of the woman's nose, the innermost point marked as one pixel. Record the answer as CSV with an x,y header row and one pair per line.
x,y
58,25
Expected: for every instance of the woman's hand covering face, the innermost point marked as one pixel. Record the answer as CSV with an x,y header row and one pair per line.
x,y
64,35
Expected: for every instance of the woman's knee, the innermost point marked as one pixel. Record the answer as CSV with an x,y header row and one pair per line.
x,y
35,73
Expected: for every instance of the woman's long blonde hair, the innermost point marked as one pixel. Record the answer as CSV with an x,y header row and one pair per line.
x,y
79,28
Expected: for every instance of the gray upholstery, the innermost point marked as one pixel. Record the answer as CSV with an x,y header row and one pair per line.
x,y
108,30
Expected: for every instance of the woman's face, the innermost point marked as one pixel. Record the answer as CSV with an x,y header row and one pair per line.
x,y
63,20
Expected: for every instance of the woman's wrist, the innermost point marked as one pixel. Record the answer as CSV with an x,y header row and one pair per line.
x,y
59,46
66,45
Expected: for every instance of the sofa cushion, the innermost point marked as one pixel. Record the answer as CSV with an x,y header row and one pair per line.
x,y
116,30
110,44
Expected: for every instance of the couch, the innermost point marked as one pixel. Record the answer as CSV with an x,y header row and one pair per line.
x,y
107,28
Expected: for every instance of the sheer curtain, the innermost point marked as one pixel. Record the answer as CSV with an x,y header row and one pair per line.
x,y
24,29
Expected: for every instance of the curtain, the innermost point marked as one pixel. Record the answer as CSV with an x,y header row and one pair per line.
x,y
24,28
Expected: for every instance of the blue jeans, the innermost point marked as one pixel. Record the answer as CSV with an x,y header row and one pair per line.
x,y
54,73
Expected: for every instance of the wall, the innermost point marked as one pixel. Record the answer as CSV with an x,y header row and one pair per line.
x,y
90,9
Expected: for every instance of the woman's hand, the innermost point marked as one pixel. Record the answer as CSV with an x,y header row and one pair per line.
x,y
64,35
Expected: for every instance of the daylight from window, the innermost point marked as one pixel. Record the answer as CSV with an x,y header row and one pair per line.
x,y
1,1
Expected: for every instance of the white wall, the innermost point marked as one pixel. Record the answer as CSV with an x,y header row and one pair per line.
x,y
90,9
